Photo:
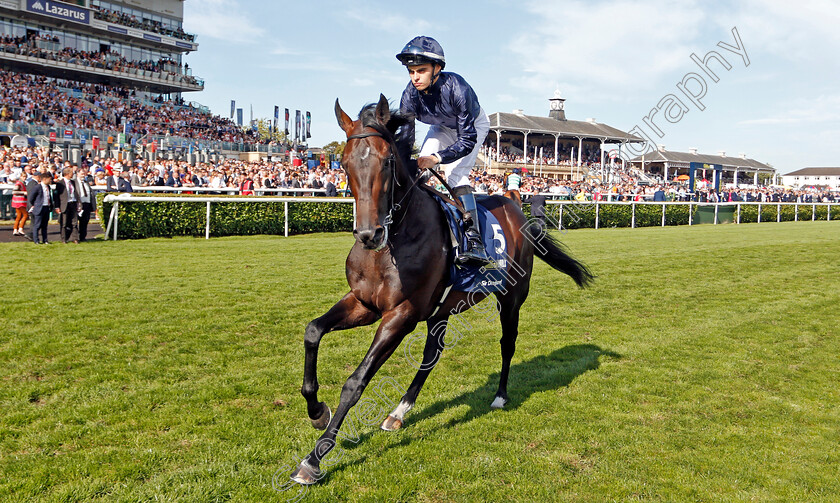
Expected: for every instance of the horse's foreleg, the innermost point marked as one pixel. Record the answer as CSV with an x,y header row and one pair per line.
x,y
394,327
431,355
346,313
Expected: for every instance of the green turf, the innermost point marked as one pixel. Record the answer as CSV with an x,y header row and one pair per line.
x,y
702,366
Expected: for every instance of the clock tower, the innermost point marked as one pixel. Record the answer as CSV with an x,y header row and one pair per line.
x,y
556,108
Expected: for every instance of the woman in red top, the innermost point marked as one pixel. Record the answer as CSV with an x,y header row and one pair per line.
x,y
246,186
19,204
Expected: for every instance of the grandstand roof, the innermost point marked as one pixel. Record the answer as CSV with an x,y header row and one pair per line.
x,y
546,125
815,172
689,157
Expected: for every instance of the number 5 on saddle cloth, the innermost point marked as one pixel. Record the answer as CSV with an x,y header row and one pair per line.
x,y
468,278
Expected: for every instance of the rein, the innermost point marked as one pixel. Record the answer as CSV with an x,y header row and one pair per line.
x,y
390,162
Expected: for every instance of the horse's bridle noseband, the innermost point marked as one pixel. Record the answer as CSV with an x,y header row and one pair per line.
x,y
390,162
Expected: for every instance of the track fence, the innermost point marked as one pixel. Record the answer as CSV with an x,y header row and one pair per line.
x,y
559,214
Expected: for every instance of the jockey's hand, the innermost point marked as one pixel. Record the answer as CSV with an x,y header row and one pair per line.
x,y
426,162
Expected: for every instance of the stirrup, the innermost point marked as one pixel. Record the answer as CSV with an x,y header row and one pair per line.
x,y
475,255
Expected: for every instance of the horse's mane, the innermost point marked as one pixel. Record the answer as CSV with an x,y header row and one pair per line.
x,y
399,129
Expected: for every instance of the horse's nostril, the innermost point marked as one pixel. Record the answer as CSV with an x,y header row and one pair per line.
x,y
379,234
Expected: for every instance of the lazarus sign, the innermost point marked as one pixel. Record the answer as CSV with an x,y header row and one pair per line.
x,y
59,10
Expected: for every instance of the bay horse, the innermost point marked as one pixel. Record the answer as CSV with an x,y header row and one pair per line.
x,y
398,270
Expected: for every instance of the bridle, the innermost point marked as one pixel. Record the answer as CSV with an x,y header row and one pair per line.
x,y
389,163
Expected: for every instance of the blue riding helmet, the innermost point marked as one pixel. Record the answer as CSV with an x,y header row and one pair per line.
x,y
422,50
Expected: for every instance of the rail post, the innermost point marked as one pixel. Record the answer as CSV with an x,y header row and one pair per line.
x,y
286,218
597,214
560,220
207,223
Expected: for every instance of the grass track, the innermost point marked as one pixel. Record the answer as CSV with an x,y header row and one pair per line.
x,y
703,366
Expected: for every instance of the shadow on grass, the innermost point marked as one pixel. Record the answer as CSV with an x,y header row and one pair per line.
x,y
542,373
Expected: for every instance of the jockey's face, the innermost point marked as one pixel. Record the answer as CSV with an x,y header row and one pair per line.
x,y
421,75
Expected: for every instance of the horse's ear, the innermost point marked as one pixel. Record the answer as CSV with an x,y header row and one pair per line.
x,y
344,121
383,110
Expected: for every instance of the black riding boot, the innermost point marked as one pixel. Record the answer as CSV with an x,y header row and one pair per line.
x,y
474,254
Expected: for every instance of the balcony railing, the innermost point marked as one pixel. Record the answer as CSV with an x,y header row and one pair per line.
x,y
44,57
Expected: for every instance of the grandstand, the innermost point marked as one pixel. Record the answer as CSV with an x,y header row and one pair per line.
x,y
109,76
137,46
556,146
668,165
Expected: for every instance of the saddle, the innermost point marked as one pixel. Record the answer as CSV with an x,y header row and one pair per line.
x,y
471,278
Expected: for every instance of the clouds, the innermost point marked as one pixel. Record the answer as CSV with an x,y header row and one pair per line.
x,y
805,112
383,19
604,47
222,20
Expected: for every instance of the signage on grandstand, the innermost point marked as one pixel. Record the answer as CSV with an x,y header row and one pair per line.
x,y
59,10
20,141
68,134
52,136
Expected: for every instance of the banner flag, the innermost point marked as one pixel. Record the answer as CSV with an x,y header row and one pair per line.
x,y
232,108
297,125
239,116
308,122
276,118
287,123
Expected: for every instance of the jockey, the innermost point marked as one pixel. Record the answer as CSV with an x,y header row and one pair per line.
x,y
458,126
514,180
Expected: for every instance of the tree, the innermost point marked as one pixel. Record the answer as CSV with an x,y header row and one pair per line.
x,y
264,130
335,148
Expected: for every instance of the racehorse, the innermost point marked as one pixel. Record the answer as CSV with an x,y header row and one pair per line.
x,y
515,196
398,269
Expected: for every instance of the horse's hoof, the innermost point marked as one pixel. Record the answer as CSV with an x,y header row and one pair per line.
x,y
306,474
498,403
391,423
321,422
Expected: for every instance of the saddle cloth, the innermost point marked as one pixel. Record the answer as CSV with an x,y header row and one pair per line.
x,y
468,278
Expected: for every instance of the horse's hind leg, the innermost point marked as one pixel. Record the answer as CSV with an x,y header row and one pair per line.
x,y
509,314
431,354
346,313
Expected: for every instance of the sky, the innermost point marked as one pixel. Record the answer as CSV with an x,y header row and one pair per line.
x,y
613,60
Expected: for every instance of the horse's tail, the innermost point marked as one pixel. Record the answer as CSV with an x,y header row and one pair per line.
x,y
553,253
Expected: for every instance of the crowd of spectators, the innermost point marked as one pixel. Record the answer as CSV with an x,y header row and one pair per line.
x,y
270,177
247,178
131,21
566,156
38,100
105,60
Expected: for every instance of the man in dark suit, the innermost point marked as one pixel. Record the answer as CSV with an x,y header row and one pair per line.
x,y
87,201
112,184
67,196
659,195
41,204
124,184
331,191
537,202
